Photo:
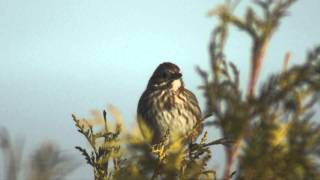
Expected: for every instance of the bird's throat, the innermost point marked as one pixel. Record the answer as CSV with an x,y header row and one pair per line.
x,y
176,84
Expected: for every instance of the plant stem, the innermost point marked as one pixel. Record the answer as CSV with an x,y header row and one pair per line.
x,y
258,54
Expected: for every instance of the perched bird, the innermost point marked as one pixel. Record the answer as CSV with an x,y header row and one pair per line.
x,y
166,107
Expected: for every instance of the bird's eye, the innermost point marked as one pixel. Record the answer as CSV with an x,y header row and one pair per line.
x,y
165,75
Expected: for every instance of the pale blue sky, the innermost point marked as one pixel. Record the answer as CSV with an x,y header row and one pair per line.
x,y
71,56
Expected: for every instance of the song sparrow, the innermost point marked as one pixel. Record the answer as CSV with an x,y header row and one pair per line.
x,y
167,107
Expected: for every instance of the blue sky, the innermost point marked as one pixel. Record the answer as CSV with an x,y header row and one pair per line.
x,y
71,56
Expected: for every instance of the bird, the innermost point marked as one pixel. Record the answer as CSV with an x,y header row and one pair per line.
x,y
167,108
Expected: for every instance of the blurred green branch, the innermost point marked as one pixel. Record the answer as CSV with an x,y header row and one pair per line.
x,y
46,163
12,155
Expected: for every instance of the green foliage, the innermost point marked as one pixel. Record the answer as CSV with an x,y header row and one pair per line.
x,y
133,157
103,151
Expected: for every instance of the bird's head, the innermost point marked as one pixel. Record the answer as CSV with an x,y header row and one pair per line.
x,y
167,75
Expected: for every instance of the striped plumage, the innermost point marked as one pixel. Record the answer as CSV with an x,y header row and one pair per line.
x,y
167,105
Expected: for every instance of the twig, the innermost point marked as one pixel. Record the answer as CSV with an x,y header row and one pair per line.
x,y
205,117
286,61
223,141
231,153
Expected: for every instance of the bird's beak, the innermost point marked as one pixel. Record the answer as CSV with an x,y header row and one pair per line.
x,y
176,76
